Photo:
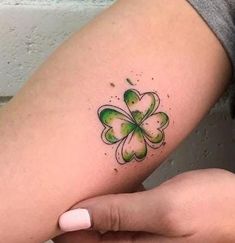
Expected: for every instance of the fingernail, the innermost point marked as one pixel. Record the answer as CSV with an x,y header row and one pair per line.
x,y
76,219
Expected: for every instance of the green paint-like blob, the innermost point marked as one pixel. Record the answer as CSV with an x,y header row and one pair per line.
x,y
141,152
164,119
127,128
130,97
108,115
139,134
122,126
127,156
138,116
158,138
111,137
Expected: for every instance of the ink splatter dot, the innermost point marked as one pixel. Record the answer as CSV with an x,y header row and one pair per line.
x,y
115,170
129,82
168,96
152,78
112,85
105,154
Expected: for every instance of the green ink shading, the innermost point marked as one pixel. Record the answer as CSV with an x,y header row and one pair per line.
x,y
136,130
138,116
119,125
140,152
111,137
108,115
133,100
130,97
127,128
164,118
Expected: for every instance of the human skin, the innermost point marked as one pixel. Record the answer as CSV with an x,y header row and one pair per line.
x,y
196,206
52,154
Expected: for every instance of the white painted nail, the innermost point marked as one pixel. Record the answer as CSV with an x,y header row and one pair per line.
x,y
75,219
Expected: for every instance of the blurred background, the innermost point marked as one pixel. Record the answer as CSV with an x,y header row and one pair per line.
x,y
32,29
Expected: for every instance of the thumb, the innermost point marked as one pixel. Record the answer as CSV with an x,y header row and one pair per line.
x,y
140,211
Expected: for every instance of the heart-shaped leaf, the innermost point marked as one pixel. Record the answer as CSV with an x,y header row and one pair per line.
x,y
132,147
153,128
140,106
117,124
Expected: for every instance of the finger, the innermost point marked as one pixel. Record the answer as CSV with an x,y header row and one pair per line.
x,y
140,188
78,236
141,211
140,237
162,239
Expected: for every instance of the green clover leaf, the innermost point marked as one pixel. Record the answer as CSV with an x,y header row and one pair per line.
x,y
136,130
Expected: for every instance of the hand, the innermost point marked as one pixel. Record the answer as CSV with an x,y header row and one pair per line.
x,y
197,206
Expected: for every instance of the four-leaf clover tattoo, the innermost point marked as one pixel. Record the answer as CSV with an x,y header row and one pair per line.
x,y
136,129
